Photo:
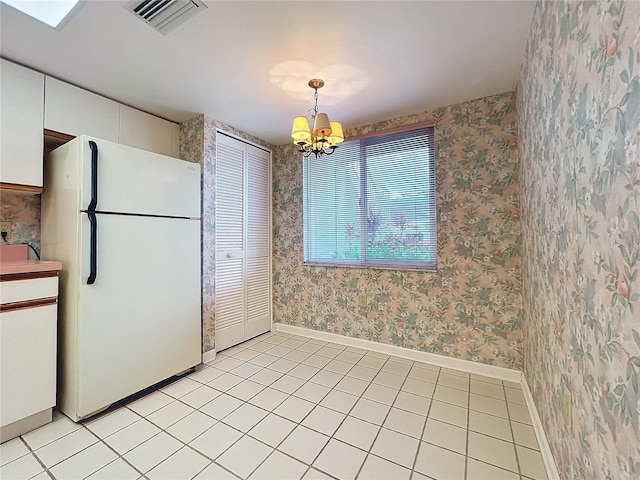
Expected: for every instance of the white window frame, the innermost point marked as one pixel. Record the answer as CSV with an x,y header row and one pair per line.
x,y
364,262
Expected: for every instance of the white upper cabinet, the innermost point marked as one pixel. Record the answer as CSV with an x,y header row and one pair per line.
x,y
175,140
31,102
21,105
147,132
74,111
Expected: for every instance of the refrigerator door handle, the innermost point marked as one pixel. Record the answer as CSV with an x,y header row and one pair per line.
x,y
93,263
94,176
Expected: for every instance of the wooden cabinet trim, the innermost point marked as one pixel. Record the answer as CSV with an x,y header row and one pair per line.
x,y
20,188
60,135
41,302
10,277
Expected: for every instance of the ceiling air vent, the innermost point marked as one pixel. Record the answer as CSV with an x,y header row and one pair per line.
x,y
165,15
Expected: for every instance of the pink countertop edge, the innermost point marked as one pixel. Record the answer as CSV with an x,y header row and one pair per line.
x,y
29,266
14,259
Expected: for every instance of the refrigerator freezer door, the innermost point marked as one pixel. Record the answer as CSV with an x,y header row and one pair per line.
x,y
135,181
139,322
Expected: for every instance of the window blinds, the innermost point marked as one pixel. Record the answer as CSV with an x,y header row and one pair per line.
x,y
372,203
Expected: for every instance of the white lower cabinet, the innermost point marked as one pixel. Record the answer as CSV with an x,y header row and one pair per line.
x,y
28,340
242,241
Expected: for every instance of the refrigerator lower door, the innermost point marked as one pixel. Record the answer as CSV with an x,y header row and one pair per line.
x,y
139,322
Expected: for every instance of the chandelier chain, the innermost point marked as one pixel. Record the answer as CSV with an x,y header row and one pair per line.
x,y
315,97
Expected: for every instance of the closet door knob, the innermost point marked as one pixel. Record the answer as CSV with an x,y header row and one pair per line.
x,y
229,255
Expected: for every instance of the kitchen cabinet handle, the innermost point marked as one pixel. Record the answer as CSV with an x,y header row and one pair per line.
x,y
93,262
94,176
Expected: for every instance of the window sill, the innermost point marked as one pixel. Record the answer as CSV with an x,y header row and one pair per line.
x,y
371,266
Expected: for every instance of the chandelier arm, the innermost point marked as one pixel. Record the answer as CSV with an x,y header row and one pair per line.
x,y
330,152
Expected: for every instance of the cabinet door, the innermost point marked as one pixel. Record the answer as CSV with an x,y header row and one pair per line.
x,y
147,132
75,111
28,362
21,106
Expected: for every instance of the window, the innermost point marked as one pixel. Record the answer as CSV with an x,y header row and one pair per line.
x,y
372,202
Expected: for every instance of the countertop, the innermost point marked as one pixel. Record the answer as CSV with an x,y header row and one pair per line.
x,y
15,259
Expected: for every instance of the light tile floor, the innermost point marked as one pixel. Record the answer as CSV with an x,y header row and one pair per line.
x,y
286,407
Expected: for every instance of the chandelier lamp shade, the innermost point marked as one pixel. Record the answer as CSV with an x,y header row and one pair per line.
x,y
325,136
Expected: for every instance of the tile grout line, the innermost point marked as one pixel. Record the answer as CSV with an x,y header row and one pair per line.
x,y
268,412
466,451
114,451
318,404
298,361
298,424
378,370
424,428
164,429
100,440
386,416
32,452
82,425
47,469
344,375
513,437
275,449
184,444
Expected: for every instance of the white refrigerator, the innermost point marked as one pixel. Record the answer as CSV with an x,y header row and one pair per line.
x,y
125,223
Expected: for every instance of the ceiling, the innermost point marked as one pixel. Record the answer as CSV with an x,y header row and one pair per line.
x,y
379,59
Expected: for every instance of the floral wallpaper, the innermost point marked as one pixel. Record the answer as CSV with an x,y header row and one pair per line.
x,y
579,122
23,211
198,145
472,307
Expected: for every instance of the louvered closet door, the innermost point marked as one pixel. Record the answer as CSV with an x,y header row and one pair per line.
x,y
243,242
258,252
229,237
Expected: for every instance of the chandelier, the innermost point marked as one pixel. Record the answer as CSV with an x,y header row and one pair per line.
x,y
326,135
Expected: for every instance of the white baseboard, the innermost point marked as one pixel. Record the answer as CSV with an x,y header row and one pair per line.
x,y
543,442
208,356
468,366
